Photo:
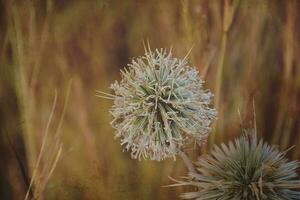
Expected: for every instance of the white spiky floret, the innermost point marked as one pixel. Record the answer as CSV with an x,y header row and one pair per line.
x,y
160,106
245,169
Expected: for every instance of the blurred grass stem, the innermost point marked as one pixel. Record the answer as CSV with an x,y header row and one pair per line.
x,y
230,8
43,145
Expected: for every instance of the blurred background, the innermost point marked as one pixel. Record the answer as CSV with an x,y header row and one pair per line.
x,y
55,134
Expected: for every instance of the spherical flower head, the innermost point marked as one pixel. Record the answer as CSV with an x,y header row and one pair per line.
x,y
244,169
160,105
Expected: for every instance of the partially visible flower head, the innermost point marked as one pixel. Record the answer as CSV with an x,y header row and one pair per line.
x,y
160,105
244,169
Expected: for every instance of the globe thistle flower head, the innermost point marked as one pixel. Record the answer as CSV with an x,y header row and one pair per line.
x,y
159,106
244,170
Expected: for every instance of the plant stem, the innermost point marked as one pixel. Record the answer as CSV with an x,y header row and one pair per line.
x,y
229,14
188,163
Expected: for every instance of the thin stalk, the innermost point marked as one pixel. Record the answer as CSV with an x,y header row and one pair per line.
x,y
54,151
188,163
42,43
287,86
229,13
187,27
43,145
17,40
220,70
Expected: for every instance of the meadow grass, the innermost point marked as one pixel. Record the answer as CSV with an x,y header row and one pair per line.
x,y
245,50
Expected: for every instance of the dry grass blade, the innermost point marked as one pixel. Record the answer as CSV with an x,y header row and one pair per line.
x,y
35,171
43,172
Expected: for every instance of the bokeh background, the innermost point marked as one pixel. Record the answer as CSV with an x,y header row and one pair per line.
x,y
54,54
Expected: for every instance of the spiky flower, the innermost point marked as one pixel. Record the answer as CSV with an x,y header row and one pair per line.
x,y
159,106
244,170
